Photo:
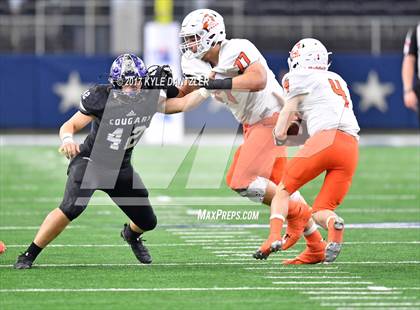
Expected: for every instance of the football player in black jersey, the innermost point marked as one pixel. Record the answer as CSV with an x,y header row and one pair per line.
x,y
119,113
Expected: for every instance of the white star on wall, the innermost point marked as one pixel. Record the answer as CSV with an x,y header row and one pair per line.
x,y
70,92
373,93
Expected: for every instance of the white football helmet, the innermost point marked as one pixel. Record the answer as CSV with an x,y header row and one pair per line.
x,y
308,53
201,30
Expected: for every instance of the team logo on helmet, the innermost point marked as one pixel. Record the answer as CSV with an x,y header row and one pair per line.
x,y
209,22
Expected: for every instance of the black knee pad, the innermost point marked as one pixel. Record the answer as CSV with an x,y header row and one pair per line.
x,y
150,224
71,211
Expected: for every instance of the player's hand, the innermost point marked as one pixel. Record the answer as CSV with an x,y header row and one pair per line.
x,y
69,149
410,100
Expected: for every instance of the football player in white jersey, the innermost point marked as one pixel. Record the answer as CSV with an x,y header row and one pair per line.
x,y
241,79
322,99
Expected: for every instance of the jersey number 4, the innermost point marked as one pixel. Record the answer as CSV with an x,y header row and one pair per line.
x,y
116,135
338,90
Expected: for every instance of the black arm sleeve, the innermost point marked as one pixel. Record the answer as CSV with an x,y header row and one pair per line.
x,y
410,45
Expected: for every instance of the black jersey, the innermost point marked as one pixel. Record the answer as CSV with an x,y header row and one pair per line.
x,y
119,122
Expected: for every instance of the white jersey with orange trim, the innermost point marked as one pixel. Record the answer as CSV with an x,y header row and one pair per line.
x,y
327,105
234,57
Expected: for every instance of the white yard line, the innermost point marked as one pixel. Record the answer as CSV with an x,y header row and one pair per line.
x,y
239,252
227,247
360,298
210,233
251,262
104,245
370,304
350,291
34,227
323,282
327,267
227,236
229,241
306,272
378,263
311,277
160,289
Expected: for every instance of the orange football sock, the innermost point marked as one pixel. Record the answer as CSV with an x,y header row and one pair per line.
x,y
276,225
334,234
313,238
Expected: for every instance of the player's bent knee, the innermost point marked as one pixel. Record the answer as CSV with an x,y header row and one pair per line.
x,y
149,224
338,222
255,190
72,212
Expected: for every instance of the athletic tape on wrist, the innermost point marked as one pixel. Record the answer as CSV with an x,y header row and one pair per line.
x,y
277,216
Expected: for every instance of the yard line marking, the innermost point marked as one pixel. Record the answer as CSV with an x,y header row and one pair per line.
x,y
250,258
33,227
307,272
377,262
288,268
311,277
367,289
103,245
350,291
324,282
227,236
205,228
382,242
379,210
228,241
238,252
140,265
215,232
163,289
346,243
405,288
360,297
227,247
375,304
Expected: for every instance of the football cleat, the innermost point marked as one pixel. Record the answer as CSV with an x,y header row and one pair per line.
x,y
139,250
296,226
331,251
259,255
269,246
313,254
24,261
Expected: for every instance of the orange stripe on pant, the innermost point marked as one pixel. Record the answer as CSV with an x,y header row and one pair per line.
x,y
257,156
332,151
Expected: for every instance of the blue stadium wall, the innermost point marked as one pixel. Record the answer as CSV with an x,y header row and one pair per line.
x,y
29,97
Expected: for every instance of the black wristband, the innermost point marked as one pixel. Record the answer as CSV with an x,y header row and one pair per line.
x,y
219,84
172,91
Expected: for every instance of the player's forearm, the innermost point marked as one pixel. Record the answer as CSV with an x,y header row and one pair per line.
x,y
77,122
287,115
67,130
283,123
186,103
407,72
